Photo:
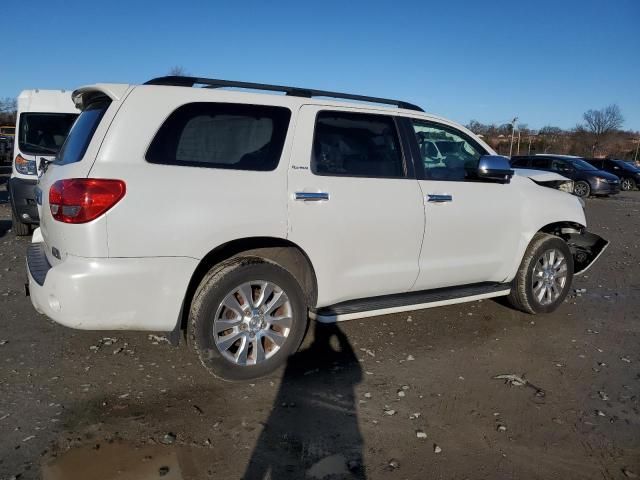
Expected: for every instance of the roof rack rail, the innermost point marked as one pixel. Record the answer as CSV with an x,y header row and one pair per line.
x,y
181,81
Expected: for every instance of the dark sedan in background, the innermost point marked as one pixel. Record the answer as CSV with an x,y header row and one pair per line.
x,y
628,174
588,180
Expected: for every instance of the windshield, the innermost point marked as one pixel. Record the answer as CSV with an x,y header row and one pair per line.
x,y
43,133
625,165
76,144
582,165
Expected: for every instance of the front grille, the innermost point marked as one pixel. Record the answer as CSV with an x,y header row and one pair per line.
x,y
37,262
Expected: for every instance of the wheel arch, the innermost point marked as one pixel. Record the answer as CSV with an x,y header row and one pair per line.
x,y
278,250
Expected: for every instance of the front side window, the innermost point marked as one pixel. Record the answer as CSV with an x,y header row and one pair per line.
x,y
357,145
43,133
446,153
222,135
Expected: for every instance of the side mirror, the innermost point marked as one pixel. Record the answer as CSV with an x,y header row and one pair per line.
x,y
495,167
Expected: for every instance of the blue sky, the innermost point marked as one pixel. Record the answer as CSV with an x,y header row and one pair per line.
x,y
545,61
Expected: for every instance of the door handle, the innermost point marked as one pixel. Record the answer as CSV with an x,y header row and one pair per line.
x,y
312,196
438,198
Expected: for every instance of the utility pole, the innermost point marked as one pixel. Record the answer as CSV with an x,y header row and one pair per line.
x,y
513,131
518,149
635,157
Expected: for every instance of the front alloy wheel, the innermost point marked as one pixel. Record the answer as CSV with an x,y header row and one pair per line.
x,y
544,277
549,276
627,184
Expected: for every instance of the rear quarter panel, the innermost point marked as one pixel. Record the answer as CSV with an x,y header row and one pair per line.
x,y
178,210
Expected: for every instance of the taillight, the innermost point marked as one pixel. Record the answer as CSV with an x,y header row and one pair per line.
x,y
80,200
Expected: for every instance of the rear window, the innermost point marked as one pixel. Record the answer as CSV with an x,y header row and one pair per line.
x,y
222,135
80,135
43,133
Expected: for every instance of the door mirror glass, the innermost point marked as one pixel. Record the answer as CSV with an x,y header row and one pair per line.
x,y
494,167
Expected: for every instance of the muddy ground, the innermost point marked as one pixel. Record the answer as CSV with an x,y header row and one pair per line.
x,y
401,396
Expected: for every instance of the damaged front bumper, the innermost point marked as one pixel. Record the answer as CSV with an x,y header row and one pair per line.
x,y
586,248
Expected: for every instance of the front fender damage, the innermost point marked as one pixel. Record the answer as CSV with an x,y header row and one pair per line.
x,y
586,248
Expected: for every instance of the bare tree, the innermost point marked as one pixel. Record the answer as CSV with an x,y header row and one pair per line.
x,y
8,110
178,71
601,123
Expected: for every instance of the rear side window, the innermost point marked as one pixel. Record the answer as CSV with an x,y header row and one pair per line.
x,y
520,162
222,135
44,133
82,132
357,145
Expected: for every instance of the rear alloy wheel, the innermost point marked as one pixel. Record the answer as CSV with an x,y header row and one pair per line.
x,y
246,318
582,189
627,184
19,228
544,277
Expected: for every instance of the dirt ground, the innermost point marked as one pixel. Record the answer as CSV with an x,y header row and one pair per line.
x,y
396,397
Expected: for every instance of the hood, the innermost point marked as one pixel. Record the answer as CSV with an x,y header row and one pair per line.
x,y
539,175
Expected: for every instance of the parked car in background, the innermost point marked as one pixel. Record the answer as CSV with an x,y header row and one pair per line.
x,y
588,180
629,175
293,206
44,120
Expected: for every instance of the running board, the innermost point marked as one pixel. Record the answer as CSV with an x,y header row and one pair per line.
x,y
405,302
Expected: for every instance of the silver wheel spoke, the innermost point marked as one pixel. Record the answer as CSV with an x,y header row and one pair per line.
x,y
542,292
231,302
266,290
229,340
281,321
241,354
279,299
275,337
258,350
246,293
222,324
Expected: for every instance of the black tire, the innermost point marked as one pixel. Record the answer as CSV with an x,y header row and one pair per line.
x,y
522,289
219,282
19,228
627,184
582,189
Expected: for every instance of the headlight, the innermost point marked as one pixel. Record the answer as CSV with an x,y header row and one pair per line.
x,y
566,186
24,166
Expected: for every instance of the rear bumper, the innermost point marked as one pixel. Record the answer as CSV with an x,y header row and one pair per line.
x,y
109,293
22,193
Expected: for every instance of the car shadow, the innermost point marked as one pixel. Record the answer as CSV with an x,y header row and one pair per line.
x,y
5,226
313,430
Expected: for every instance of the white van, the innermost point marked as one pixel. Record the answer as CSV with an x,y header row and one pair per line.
x,y
44,120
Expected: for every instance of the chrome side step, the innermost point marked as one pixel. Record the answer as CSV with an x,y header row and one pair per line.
x,y
405,302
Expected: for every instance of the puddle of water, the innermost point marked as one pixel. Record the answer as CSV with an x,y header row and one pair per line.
x,y
114,461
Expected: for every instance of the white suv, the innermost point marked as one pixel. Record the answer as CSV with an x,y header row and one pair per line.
x,y
237,216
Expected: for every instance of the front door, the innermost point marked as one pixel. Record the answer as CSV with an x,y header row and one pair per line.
x,y
471,230
355,206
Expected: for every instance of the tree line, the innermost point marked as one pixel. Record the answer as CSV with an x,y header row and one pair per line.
x,y
600,134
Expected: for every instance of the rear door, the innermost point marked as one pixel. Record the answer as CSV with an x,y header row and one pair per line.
x,y
355,206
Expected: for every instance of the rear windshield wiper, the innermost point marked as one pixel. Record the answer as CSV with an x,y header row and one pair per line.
x,y
40,147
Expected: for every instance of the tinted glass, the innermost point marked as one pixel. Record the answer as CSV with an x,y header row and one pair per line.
x,y
80,135
581,164
520,162
447,154
222,135
356,144
44,133
560,166
540,163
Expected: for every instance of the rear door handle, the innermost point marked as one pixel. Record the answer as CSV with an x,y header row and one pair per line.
x,y
439,198
312,196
